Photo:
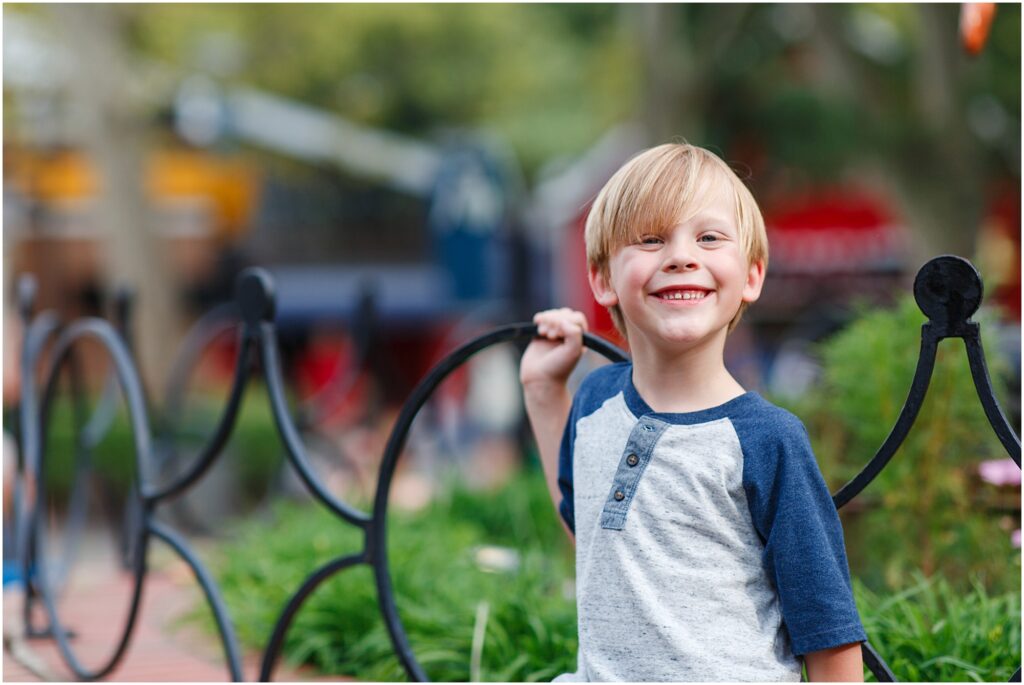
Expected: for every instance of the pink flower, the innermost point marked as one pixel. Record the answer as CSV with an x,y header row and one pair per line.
x,y
1015,538
1000,472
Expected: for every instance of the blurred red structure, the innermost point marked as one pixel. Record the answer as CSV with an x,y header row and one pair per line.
x,y
834,230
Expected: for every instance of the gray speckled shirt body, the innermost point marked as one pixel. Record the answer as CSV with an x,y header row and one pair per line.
x,y
681,542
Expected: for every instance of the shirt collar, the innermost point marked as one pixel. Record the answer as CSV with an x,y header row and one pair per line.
x,y
639,407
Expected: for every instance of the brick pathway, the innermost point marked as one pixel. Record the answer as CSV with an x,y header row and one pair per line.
x,y
163,646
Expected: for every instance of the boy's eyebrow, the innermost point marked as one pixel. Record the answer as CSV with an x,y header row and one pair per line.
x,y
720,220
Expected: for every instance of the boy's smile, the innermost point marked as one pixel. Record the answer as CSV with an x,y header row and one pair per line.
x,y
683,286
682,294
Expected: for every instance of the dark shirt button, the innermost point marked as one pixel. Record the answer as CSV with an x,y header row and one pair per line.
x,y
619,496
632,460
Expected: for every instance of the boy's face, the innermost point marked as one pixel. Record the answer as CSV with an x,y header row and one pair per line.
x,y
682,288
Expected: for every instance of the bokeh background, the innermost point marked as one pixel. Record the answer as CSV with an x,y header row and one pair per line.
x,y
412,175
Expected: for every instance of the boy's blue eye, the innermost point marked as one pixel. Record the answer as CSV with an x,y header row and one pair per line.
x,y
651,240
708,238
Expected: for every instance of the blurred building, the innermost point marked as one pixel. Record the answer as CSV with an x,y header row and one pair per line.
x,y
202,203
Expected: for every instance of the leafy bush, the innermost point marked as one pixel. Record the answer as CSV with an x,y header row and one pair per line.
x,y
527,613
927,632
931,632
927,509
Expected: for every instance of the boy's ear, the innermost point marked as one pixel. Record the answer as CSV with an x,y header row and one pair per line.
x,y
602,290
755,281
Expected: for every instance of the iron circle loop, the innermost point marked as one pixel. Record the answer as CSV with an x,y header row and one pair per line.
x,y
377,534
948,289
128,379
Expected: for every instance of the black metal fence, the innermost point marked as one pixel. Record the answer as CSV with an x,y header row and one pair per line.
x,y
948,290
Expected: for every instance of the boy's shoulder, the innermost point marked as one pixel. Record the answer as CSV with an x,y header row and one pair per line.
x,y
770,421
772,437
604,382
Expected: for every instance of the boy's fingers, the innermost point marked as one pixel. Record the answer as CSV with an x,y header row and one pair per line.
x,y
574,316
582,320
572,332
545,323
559,323
549,331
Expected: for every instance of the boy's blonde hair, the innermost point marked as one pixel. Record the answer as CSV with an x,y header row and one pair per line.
x,y
655,191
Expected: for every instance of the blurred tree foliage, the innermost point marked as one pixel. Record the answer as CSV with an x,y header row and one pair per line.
x,y
810,94
801,94
550,78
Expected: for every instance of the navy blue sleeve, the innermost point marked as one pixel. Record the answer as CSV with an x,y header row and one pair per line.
x,y
794,514
566,507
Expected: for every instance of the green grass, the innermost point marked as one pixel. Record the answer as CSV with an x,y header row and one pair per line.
x,y
528,615
929,632
926,632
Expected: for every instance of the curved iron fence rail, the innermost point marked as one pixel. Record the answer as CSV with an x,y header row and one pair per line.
x,y
948,290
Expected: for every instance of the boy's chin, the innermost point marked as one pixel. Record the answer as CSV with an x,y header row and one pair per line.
x,y
681,336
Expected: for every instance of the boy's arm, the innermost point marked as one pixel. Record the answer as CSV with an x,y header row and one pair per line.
x,y
839,664
547,407
544,370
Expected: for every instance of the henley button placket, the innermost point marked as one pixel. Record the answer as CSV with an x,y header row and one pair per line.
x,y
634,460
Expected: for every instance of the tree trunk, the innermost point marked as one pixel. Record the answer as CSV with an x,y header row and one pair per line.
x,y
938,176
668,77
113,130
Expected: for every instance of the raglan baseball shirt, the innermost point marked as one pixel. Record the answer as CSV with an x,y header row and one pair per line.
x,y
707,544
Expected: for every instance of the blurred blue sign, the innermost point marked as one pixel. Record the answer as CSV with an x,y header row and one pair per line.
x,y
468,212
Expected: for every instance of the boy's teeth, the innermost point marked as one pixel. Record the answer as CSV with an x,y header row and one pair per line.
x,y
684,295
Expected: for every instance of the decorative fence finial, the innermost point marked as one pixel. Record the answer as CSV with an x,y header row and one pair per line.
x,y
948,290
254,292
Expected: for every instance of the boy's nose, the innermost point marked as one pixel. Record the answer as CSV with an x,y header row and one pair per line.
x,y
680,260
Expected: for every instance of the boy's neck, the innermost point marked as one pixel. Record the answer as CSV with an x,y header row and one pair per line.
x,y
679,381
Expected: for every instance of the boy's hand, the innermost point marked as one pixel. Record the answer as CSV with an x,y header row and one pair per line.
x,y
551,357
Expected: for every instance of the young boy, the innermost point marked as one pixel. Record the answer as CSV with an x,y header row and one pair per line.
x,y
707,544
